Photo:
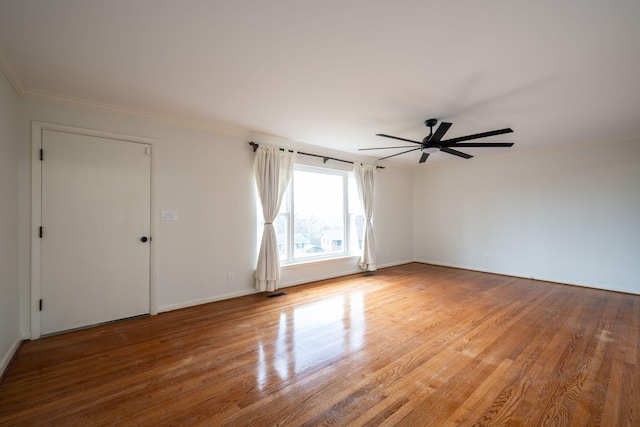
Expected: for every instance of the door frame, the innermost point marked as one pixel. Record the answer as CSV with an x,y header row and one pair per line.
x,y
37,129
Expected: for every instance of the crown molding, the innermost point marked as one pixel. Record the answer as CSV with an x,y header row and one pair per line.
x,y
238,133
269,139
11,76
543,150
110,108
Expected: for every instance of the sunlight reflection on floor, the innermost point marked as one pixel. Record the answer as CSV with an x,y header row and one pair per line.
x,y
310,334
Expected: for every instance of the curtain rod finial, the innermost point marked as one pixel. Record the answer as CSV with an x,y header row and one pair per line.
x,y
254,145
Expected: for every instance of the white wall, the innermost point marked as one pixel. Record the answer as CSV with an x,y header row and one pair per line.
x,y
208,179
393,216
9,293
569,215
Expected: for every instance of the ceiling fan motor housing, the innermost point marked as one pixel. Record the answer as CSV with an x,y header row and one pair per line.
x,y
430,149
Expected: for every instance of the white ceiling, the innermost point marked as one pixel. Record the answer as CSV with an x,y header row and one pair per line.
x,y
334,73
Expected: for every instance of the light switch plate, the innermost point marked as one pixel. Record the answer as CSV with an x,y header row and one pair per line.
x,y
169,215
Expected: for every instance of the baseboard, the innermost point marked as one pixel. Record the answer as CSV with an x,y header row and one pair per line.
x,y
393,264
348,272
192,303
319,278
461,267
541,279
8,357
171,307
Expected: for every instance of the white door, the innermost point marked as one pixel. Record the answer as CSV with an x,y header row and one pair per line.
x,y
96,198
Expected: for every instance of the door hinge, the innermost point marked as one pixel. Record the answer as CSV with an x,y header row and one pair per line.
x,y
41,154
40,232
40,305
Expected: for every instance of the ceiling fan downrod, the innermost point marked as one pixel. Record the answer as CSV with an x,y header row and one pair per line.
x,y
425,141
430,123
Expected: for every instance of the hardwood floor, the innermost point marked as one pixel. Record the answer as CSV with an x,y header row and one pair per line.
x,y
413,345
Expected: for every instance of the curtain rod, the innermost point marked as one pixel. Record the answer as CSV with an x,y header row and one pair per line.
x,y
325,159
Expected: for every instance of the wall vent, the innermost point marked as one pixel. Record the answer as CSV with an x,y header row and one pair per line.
x,y
281,294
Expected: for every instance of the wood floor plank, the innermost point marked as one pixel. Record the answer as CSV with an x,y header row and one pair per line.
x,y
536,335
553,368
414,344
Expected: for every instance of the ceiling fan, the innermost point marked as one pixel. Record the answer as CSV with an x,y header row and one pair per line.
x,y
433,142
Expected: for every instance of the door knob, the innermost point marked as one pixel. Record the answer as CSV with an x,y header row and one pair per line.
x,y
143,239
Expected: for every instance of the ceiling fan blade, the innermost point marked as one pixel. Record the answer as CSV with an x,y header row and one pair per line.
x,y
384,148
395,137
393,155
480,144
442,129
477,135
456,153
424,157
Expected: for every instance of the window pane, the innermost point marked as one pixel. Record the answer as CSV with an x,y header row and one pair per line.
x,y
282,232
284,207
318,214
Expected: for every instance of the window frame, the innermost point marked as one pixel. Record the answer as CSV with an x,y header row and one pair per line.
x,y
348,249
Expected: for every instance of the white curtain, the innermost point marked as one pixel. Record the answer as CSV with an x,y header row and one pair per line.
x,y
273,169
365,177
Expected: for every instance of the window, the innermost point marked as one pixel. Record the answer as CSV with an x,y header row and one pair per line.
x,y
320,216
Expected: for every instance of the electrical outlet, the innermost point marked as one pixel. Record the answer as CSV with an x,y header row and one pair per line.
x,y
230,277
487,258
